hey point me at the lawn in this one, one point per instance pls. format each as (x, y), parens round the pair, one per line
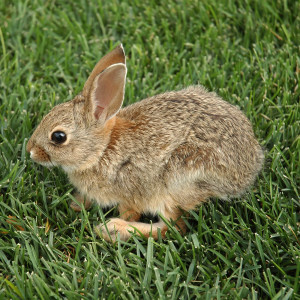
(246, 51)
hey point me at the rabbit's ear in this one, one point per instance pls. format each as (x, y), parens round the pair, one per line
(107, 92)
(116, 56)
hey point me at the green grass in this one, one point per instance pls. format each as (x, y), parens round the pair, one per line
(247, 51)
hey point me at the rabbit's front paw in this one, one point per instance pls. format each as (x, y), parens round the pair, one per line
(113, 228)
(76, 206)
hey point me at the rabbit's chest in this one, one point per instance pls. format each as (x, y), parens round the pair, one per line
(94, 186)
(127, 184)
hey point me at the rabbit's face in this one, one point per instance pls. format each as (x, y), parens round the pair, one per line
(63, 140)
(51, 143)
(73, 135)
(66, 138)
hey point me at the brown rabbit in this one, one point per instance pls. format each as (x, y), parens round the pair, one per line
(163, 155)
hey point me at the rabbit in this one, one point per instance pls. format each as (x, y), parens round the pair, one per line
(163, 155)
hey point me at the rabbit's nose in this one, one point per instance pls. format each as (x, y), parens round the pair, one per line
(29, 145)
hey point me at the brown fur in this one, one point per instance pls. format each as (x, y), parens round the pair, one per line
(163, 155)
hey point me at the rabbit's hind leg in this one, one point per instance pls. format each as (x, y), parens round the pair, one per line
(124, 229)
(128, 214)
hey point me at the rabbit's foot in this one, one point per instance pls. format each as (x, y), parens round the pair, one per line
(86, 203)
(122, 228)
(118, 227)
(110, 231)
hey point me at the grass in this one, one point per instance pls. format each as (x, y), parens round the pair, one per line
(246, 51)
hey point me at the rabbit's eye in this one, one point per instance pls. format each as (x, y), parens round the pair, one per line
(58, 137)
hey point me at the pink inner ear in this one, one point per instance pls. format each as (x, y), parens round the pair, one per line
(105, 91)
(98, 111)
(108, 91)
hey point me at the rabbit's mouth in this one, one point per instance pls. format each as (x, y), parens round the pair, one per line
(40, 156)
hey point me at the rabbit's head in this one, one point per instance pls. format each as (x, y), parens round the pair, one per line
(73, 134)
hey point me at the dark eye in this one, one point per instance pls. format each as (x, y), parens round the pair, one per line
(58, 137)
